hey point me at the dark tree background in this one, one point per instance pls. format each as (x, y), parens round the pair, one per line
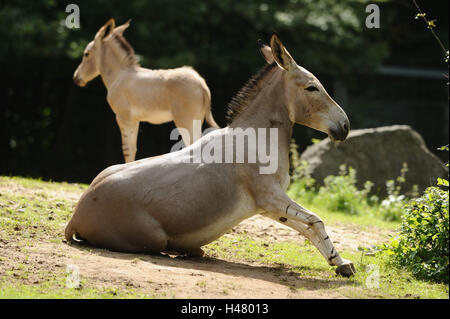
(52, 129)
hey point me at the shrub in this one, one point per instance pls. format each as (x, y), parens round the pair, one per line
(302, 184)
(340, 193)
(392, 207)
(422, 245)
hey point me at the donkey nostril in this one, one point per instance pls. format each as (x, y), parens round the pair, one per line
(345, 126)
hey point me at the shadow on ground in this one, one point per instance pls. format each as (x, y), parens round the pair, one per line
(278, 274)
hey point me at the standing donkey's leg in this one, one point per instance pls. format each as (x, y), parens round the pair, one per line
(188, 115)
(190, 129)
(129, 131)
(283, 209)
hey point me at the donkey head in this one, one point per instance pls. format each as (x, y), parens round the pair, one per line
(89, 67)
(307, 100)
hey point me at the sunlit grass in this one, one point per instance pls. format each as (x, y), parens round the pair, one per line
(56, 289)
(365, 219)
(306, 262)
(40, 184)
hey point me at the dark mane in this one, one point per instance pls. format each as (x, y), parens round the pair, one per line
(123, 43)
(125, 46)
(243, 98)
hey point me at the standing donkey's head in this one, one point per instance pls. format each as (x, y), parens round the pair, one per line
(307, 100)
(89, 67)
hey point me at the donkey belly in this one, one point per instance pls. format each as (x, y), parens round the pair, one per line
(244, 209)
(158, 116)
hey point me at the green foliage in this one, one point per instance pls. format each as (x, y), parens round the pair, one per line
(302, 184)
(392, 207)
(431, 25)
(340, 193)
(422, 245)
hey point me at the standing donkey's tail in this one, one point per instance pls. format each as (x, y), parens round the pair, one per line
(210, 120)
(207, 101)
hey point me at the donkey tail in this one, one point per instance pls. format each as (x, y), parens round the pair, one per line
(210, 120)
(208, 116)
(70, 232)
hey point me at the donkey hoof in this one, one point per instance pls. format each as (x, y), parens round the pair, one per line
(346, 269)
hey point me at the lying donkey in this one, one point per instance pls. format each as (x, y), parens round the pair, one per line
(136, 94)
(175, 203)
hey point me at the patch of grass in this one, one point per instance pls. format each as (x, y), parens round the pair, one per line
(292, 255)
(201, 283)
(306, 262)
(39, 184)
(365, 221)
(32, 216)
(27, 211)
(50, 290)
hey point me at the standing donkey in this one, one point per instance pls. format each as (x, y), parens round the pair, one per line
(153, 205)
(137, 94)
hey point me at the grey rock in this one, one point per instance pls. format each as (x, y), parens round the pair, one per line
(377, 154)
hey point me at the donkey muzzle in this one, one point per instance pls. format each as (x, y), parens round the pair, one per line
(78, 81)
(340, 131)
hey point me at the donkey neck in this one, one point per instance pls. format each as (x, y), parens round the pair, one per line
(267, 105)
(269, 110)
(110, 65)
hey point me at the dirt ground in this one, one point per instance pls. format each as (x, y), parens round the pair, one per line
(184, 277)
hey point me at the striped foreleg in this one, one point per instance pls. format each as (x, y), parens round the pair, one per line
(314, 230)
(308, 224)
(129, 132)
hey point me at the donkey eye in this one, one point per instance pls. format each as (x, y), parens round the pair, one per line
(312, 88)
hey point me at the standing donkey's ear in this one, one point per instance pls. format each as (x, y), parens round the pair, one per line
(280, 54)
(121, 28)
(266, 51)
(101, 34)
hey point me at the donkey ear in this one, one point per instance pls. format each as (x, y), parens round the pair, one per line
(280, 54)
(266, 51)
(101, 34)
(121, 28)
